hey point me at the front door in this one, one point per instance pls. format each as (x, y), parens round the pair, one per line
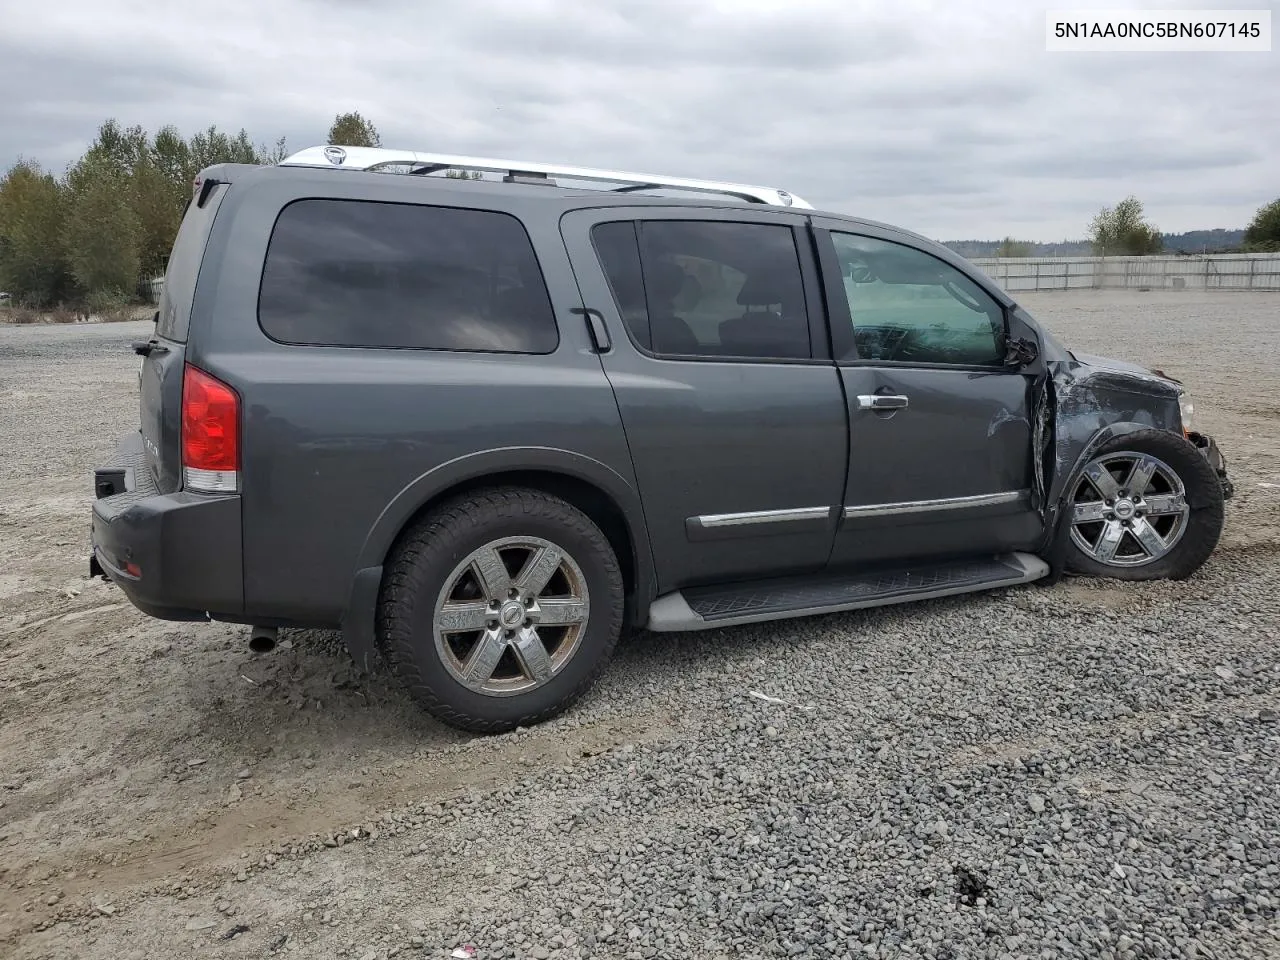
(732, 406)
(939, 426)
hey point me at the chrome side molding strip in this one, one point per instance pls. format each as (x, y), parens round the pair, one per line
(928, 506)
(711, 521)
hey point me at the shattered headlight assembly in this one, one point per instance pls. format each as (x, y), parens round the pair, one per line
(1187, 410)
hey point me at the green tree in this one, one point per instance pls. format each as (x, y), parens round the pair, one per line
(462, 174)
(1010, 247)
(102, 231)
(353, 130)
(113, 218)
(214, 146)
(1263, 232)
(1122, 231)
(33, 266)
(159, 208)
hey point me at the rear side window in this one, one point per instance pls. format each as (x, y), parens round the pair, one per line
(184, 266)
(691, 288)
(354, 273)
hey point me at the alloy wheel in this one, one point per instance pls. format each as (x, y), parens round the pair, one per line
(511, 616)
(1129, 509)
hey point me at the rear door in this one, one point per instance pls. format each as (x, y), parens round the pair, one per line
(939, 426)
(732, 407)
(160, 379)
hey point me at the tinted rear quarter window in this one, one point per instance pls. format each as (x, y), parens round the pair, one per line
(364, 274)
(184, 266)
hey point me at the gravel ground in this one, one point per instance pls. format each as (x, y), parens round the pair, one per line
(1086, 770)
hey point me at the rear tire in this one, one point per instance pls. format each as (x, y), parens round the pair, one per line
(490, 644)
(1148, 507)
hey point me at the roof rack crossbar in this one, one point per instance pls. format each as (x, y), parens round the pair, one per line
(423, 164)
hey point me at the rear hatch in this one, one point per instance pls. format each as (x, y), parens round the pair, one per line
(160, 380)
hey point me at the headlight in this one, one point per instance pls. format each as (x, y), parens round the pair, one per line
(1187, 409)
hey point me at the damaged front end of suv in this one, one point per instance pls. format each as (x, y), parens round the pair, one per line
(1106, 431)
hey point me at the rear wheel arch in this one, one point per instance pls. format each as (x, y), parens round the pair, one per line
(595, 489)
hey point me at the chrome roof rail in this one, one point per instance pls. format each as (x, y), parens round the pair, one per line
(415, 162)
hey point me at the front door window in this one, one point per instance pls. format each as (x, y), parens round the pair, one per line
(910, 307)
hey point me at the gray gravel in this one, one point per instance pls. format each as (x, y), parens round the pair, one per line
(962, 779)
(1086, 770)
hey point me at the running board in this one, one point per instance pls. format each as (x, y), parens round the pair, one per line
(702, 608)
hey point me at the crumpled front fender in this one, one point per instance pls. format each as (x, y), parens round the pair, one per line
(1084, 406)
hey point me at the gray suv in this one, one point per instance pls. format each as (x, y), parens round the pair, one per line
(484, 426)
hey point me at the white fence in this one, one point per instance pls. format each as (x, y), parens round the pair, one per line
(1229, 271)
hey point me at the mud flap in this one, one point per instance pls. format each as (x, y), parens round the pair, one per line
(1055, 551)
(359, 620)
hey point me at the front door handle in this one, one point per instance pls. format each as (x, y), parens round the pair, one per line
(881, 401)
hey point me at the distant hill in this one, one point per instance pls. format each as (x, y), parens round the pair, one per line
(1193, 241)
(1204, 241)
(987, 248)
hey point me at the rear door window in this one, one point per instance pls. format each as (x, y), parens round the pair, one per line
(363, 274)
(693, 288)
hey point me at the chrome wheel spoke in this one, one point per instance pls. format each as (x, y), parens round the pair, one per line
(1146, 535)
(538, 570)
(508, 656)
(559, 613)
(461, 617)
(1109, 542)
(1140, 475)
(492, 574)
(483, 659)
(1138, 520)
(1102, 481)
(1089, 512)
(1164, 504)
(529, 649)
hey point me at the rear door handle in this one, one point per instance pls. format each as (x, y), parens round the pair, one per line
(596, 328)
(881, 401)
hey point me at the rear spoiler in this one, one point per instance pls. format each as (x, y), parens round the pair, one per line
(211, 176)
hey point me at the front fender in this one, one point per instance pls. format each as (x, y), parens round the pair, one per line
(1089, 406)
(1090, 448)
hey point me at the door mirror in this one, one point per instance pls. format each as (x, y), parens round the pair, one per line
(1018, 352)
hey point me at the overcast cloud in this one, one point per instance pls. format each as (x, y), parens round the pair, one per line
(948, 118)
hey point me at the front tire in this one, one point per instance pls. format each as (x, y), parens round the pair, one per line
(1148, 506)
(500, 609)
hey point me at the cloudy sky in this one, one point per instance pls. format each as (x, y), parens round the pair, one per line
(949, 118)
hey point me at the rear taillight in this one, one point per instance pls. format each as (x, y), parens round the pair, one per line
(210, 433)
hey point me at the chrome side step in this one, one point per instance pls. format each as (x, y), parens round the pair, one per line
(702, 608)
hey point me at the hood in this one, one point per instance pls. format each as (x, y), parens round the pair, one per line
(1120, 366)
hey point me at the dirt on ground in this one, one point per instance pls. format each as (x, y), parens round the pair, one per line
(145, 765)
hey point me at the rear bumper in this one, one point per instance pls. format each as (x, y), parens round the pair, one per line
(176, 556)
(1208, 448)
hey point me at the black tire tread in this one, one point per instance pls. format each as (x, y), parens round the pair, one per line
(1204, 525)
(402, 584)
